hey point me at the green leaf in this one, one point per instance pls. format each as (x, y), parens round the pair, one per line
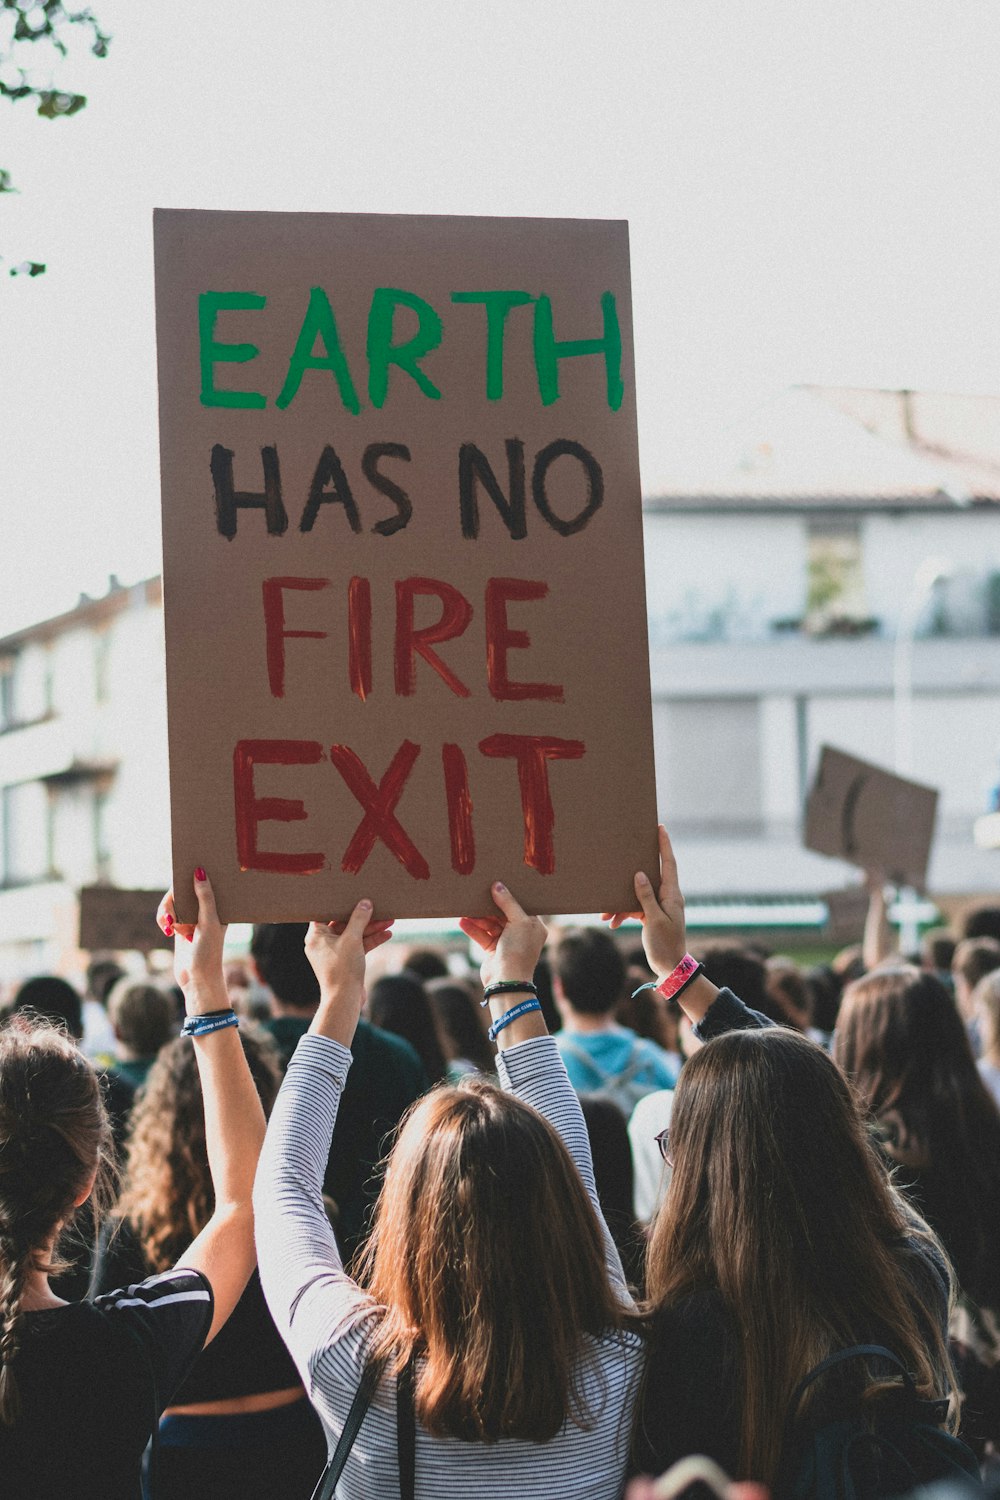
(53, 105)
(28, 268)
(6, 182)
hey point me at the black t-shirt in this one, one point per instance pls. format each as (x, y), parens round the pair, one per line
(386, 1077)
(690, 1399)
(247, 1356)
(93, 1378)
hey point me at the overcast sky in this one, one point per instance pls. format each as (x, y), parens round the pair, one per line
(812, 190)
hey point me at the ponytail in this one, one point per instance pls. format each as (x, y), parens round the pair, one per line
(54, 1138)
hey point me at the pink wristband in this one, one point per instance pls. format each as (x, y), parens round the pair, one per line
(687, 970)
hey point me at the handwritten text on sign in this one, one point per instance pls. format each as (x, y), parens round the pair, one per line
(349, 413)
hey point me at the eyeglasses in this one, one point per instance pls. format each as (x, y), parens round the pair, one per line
(663, 1142)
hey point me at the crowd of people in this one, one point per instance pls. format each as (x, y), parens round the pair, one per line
(545, 1229)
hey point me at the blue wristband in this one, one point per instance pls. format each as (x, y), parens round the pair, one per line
(203, 1025)
(511, 1015)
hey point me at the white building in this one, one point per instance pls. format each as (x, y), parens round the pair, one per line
(778, 571)
(83, 769)
(778, 575)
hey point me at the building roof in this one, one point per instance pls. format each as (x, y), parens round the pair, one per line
(88, 612)
(821, 448)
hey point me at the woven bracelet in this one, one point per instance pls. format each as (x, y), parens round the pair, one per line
(204, 1025)
(511, 1015)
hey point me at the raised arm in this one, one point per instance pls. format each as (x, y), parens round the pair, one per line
(320, 1312)
(664, 938)
(234, 1119)
(529, 1064)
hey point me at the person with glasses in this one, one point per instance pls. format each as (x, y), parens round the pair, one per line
(781, 1238)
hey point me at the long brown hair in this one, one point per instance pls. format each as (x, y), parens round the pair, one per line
(167, 1197)
(778, 1202)
(54, 1138)
(902, 1042)
(488, 1257)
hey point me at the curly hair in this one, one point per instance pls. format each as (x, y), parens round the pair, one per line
(167, 1196)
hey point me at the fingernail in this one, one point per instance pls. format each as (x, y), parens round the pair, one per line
(199, 874)
(499, 886)
(168, 926)
(365, 905)
(188, 938)
(642, 879)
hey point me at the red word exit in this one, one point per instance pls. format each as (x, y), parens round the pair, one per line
(380, 799)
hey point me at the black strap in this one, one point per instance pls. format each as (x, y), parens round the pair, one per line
(406, 1431)
(330, 1477)
(857, 1351)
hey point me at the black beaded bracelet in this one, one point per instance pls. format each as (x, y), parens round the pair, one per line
(508, 987)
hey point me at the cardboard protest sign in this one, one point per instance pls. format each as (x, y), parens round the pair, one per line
(871, 818)
(115, 920)
(403, 575)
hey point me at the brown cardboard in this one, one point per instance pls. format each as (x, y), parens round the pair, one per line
(115, 920)
(231, 682)
(871, 818)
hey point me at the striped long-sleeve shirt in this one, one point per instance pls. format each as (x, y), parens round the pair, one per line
(328, 1321)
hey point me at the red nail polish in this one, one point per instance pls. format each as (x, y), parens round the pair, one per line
(199, 874)
(168, 926)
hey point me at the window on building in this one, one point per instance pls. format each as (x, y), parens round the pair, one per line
(27, 833)
(8, 712)
(835, 589)
(708, 776)
(102, 850)
(102, 659)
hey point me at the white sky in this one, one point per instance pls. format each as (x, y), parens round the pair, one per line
(813, 191)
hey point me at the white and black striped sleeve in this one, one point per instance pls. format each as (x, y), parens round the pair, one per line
(169, 1315)
(536, 1073)
(320, 1312)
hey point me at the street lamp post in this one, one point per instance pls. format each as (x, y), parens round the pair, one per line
(928, 575)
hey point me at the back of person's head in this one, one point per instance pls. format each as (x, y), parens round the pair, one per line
(614, 1175)
(974, 958)
(459, 1026)
(427, 963)
(278, 950)
(986, 1005)
(902, 1042)
(590, 969)
(487, 1255)
(734, 966)
(142, 1015)
(825, 991)
(167, 1196)
(398, 1003)
(778, 1202)
(849, 964)
(937, 949)
(54, 1000)
(788, 992)
(102, 975)
(55, 1147)
(982, 921)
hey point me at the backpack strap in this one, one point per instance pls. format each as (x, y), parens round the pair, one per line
(579, 1055)
(633, 1066)
(406, 1431)
(857, 1351)
(362, 1400)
